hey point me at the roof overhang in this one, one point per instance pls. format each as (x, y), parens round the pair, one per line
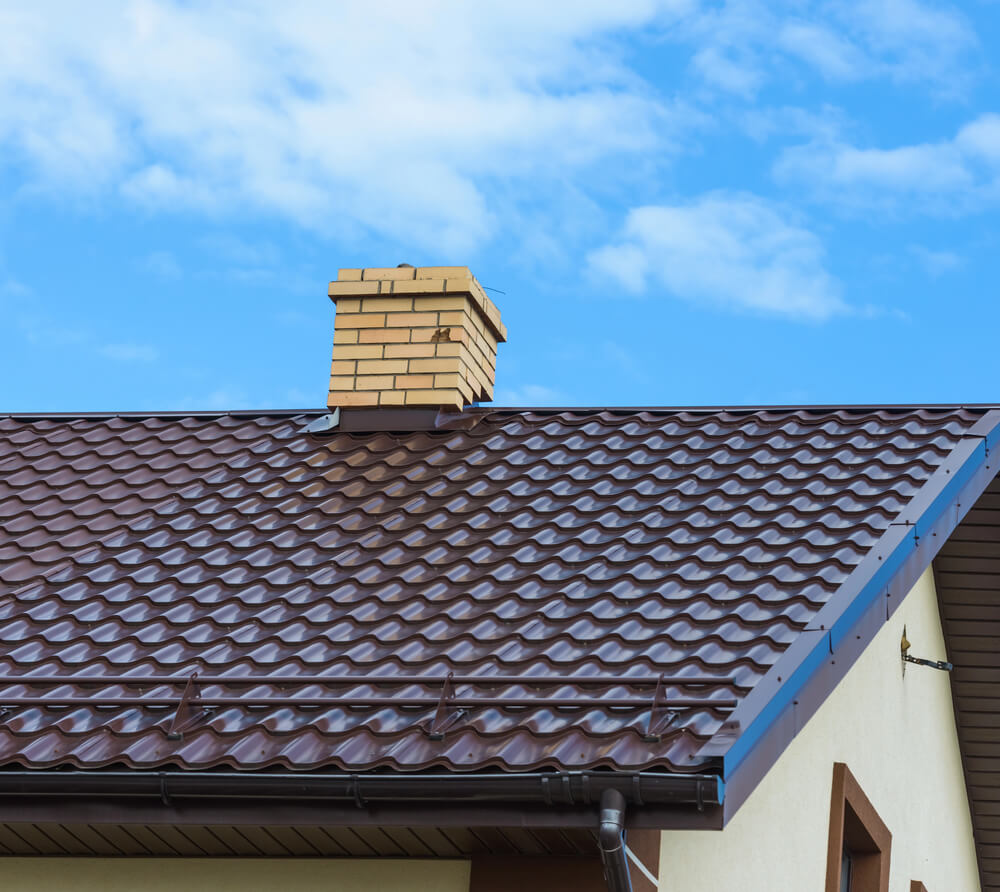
(794, 688)
(967, 579)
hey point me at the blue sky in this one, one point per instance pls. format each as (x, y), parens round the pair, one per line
(677, 203)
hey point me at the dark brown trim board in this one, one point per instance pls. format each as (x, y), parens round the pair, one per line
(644, 847)
(856, 826)
(917, 886)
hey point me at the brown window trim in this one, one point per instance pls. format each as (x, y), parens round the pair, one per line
(855, 823)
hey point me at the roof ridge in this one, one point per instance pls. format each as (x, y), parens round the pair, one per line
(724, 407)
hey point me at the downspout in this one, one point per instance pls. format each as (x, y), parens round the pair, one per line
(611, 839)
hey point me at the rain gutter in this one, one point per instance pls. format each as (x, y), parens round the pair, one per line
(563, 788)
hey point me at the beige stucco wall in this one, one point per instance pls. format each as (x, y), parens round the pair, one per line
(897, 735)
(232, 875)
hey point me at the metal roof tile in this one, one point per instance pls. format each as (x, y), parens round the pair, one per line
(573, 542)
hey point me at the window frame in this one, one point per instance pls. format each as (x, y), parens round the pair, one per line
(856, 827)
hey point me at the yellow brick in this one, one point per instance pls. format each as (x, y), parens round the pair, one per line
(351, 351)
(401, 351)
(374, 382)
(345, 336)
(434, 398)
(348, 305)
(342, 367)
(388, 272)
(381, 366)
(473, 354)
(482, 325)
(476, 372)
(442, 272)
(483, 344)
(349, 275)
(384, 336)
(503, 334)
(460, 282)
(352, 289)
(342, 382)
(420, 286)
(493, 315)
(414, 381)
(447, 348)
(359, 320)
(482, 383)
(433, 365)
(410, 320)
(453, 317)
(452, 381)
(395, 304)
(391, 398)
(352, 400)
(470, 393)
(476, 367)
(439, 303)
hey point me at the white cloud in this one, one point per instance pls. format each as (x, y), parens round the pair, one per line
(399, 118)
(919, 168)
(37, 328)
(913, 41)
(980, 139)
(157, 187)
(129, 352)
(13, 287)
(736, 251)
(936, 263)
(721, 69)
(161, 264)
(818, 45)
(945, 176)
(240, 252)
(743, 43)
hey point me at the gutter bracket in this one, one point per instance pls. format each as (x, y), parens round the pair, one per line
(185, 709)
(441, 720)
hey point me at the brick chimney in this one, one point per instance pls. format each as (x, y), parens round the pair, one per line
(424, 337)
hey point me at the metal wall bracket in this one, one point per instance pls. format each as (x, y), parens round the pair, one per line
(904, 648)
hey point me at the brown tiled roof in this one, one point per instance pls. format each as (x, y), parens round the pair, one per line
(584, 552)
